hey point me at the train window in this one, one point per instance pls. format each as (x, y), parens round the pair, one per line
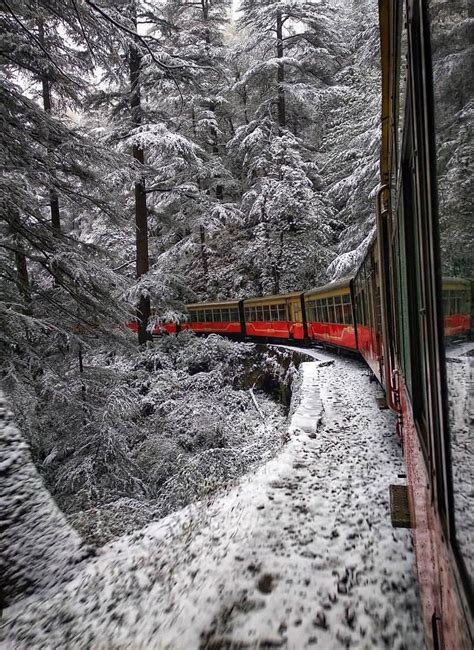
(451, 42)
(360, 307)
(324, 311)
(454, 303)
(331, 315)
(330, 309)
(282, 312)
(319, 311)
(297, 312)
(346, 306)
(192, 316)
(273, 313)
(266, 313)
(200, 316)
(233, 314)
(403, 338)
(338, 313)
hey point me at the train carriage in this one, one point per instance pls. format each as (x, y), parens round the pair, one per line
(366, 290)
(329, 314)
(216, 317)
(278, 317)
(457, 307)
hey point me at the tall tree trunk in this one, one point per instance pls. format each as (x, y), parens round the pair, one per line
(202, 230)
(141, 213)
(212, 105)
(280, 72)
(23, 279)
(205, 265)
(47, 105)
(215, 151)
(22, 274)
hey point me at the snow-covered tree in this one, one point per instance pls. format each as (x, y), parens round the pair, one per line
(290, 52)
(451, 31)
(351, 137)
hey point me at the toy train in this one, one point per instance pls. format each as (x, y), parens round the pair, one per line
(410, 324)
(344, 314)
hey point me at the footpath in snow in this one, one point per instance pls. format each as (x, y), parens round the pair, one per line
(300, 555)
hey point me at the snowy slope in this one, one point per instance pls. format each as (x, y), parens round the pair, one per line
(300, 555)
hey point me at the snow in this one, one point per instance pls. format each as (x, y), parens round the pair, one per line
(300, 554)
(459, 373)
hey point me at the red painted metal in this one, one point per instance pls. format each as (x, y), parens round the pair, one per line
(336, 334)
(371, 349)
(435, 575)
(215, 328)
(275, 329)
(157, 330)
(457, 324)
(170, 328)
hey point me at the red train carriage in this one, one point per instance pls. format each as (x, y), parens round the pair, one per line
(158, 328)
(366, 290)
(457, 307)
(216, 317)
(278, 317)
(329, 314)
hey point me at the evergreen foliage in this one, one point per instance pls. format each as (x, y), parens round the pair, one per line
(153, 154)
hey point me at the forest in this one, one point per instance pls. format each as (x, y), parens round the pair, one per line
(154, 154)
(157, 153)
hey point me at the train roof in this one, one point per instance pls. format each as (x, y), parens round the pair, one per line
(279, 297)
(343, 283)
(213, 305)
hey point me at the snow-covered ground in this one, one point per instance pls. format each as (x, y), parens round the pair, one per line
(301, 554)
(460, 375)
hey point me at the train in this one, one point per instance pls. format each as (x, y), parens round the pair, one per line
(407, 310)
(342, 315)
